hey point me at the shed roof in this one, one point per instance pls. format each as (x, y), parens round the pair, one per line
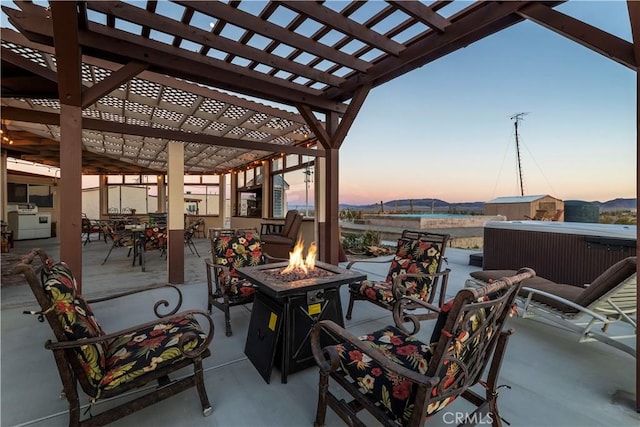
(519, 199)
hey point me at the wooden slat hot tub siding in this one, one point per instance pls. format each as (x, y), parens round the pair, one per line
(563, 258)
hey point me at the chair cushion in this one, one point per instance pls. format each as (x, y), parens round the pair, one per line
(374, 290)
(412, 257)
(568, 292)
(155, 238)
(415, 256)
(392, 392)
(612, 277)
(235, 251)
(154, 347)
(77, 320)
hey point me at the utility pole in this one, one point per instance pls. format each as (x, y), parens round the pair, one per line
(307, 179)
(516, 119)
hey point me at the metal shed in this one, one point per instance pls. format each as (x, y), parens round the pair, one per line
(541, 206)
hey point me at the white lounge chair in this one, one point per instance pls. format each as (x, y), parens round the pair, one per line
(610, 298)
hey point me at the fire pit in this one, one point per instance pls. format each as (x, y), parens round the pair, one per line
(294, 275)
(272, 279)
(282, 279)
(291, 298)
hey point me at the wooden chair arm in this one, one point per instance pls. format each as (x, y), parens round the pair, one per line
(109, 337)
(328, 359)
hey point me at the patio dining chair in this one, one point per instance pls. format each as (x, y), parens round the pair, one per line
(229, 251)
(188, 238)
(91, 226)
(415, 269)
(118, 364)
(119, 239)
(610, 298)
(402, 381)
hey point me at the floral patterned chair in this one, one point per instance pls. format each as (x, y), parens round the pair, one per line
(229, 251)
(108, 365)
(155, 238)
(119, 239)
(402, 381)
(415, 269)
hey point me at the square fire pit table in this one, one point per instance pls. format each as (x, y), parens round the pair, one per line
(286, 307)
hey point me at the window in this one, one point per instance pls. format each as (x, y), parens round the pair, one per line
(294, 189)
(249, 196)
(39, 195)
(16, 193)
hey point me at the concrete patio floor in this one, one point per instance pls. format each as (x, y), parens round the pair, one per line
(554, 380)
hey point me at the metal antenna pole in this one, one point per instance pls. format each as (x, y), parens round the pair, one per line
(516, 118)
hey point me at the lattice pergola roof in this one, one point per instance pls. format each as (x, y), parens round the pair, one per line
(319, 57)
(150, 101)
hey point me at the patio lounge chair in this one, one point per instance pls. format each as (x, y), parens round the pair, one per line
(279, 239)
(415, 268)
(109, 365)
(610, 298)
(402, 381)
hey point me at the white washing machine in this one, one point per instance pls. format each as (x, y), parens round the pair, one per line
(27, 223)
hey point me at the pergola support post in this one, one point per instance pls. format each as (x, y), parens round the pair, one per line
(71, 185)
(175, 218)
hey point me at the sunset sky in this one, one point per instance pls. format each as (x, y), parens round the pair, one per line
(444, 131)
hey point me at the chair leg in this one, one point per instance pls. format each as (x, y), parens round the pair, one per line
(202, 391)
(321, 411)
(209, 288)
(492, 377)
(227, 319)
(108, 253)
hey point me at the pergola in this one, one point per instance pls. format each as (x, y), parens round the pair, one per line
(146, 84)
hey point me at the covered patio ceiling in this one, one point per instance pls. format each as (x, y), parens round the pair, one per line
(127, 130)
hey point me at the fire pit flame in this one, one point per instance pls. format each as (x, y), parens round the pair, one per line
(299, 264)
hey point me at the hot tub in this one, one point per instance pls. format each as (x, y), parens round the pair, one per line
(565, 252)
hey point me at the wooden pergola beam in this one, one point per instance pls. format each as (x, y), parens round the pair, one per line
(119, 46)
(224, 12)
(32, 116)
(26, 64)
(432, 46)
(347, 26)
(582, 33)
(206, 38)
(423, 13)
(107, 85)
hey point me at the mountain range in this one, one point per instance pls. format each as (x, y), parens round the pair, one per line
(440, 206)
